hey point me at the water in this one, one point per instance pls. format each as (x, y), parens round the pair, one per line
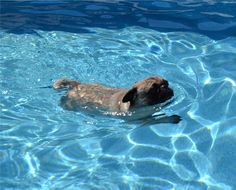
(45, 147)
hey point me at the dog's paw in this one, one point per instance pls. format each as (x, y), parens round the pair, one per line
(175, 119)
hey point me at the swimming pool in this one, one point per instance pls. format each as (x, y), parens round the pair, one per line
(117, 43)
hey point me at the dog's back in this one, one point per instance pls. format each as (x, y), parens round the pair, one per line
(89, 95)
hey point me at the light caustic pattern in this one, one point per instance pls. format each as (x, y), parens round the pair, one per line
(45, 147)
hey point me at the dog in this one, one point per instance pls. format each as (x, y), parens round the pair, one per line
(145, 93)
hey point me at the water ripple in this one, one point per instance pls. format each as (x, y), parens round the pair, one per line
(46, 147)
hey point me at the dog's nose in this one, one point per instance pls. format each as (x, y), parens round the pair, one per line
(171, 92)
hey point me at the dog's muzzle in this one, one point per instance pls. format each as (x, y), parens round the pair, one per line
(165, 94)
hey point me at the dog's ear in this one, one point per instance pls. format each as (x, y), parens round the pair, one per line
(130, 95)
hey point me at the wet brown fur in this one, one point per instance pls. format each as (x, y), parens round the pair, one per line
(150, 91)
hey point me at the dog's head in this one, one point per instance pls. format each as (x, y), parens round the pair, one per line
(150, 91)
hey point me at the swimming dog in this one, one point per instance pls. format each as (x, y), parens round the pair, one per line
(147, 92)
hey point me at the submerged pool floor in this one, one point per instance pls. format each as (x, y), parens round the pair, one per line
(45, 147)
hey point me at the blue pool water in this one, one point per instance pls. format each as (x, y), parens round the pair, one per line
(190, 43)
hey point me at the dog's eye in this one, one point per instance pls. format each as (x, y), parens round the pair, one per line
(163, 86)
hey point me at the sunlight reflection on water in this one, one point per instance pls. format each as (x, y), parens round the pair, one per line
(50, 147)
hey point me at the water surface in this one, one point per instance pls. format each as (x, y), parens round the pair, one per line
(45, 147)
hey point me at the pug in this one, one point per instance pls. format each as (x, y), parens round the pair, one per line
(145, 93)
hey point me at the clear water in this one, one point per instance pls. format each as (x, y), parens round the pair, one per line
(45, 147)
